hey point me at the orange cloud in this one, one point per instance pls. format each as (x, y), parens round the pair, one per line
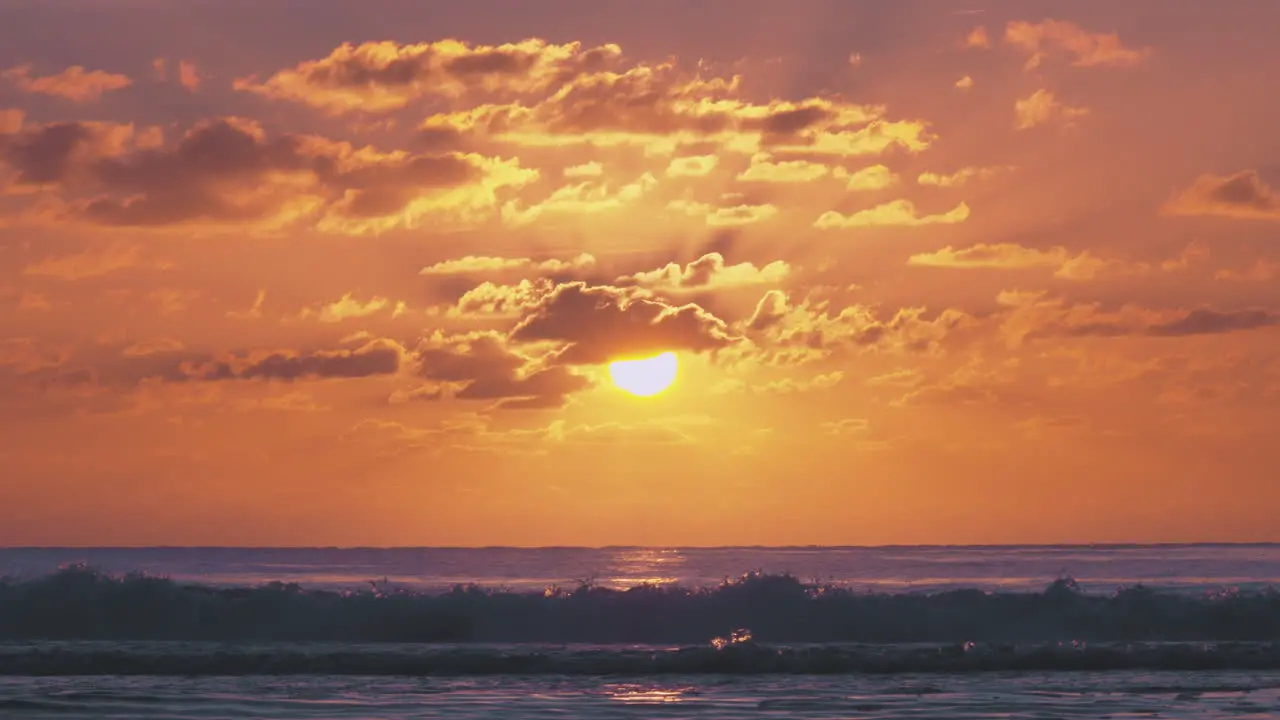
(872, 177)
(964, 83)
(961, 176)
(977, 38)
(384, 76)
(590, 169)
(482, 367)
(89, 263)
(692, 166)
(793, 333)
(108, 178)
(474, 265)
(489, 301)
(602, 323)
(764, 169)
(1042, 107)
(1086, 49)
(894, 212)
(74, 83)
(11, 120)
(717, 216)
(1032, 315)
(1260, 271)
(1242, 195)
(188, 76)
(579, 199)
(708, 273)
(1010, 256)
(344, 308)
(662, 108)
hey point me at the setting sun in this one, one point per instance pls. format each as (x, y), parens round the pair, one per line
(646, 376)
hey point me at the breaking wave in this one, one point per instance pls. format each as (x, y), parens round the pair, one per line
(79, 603)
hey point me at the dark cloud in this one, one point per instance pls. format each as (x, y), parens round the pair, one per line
(604, 323)
(492, 371)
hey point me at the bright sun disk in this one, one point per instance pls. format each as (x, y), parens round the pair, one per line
(646, 376)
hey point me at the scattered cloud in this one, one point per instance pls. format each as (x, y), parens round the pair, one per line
(708, 273)
(1086, 49)
(894, 212)
(1242, 195)
(75, 83)
(1041, 107)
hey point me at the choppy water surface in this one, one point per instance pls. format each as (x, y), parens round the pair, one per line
(1053, 695)
(1048, 632)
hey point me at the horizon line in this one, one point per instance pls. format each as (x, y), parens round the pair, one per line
(891, 546)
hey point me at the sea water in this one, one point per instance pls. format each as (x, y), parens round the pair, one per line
(957, 632)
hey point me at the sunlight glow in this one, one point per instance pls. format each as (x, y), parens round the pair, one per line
(644, 377)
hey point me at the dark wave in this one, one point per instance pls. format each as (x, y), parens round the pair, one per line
(78, 603)
(743, 658)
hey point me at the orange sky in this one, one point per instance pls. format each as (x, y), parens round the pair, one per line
(336, 273)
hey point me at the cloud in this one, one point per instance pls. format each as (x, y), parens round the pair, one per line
(1242, 195)
(590, 169)
(663, 108)
(894, 212)
(792, 333)
(1042, 107)
(977, 38)
(74, 84)
(385, 76)
(692, 166)
(345, 308)
(481, 366)
(764, 169)
(11, 120)
(154, 346)
(1032, 315)
(964, 83)
(188, 75)
(1011, 256)
(718, 216)
(92, 262)
(788, 386)
(483, 265)
(708, 273)
(49, 155)
(872, 177)
(378, 357)
(598, 324)
(960, 177)
(1261, 270)
(583, 198)
(1085, 48)
(846, 426)
(227, 171)
(490, 301)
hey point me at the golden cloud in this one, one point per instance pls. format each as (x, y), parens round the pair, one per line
(479, 265)
(894, 212)
(872, 177)
(1242, 195)
(662, 108)
(1042, 107)
(1085, 48)
(597, 324)
(384, 76)
(229, 172)
(960, 177)
(718, 216)
(964, 83)
(707, 273)
(74, 84)
(692, 166)
(764, 169)
(583, 198)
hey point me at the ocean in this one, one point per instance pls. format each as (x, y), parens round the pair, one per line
(894, 632)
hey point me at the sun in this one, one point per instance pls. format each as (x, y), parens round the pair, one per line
(646, 376)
